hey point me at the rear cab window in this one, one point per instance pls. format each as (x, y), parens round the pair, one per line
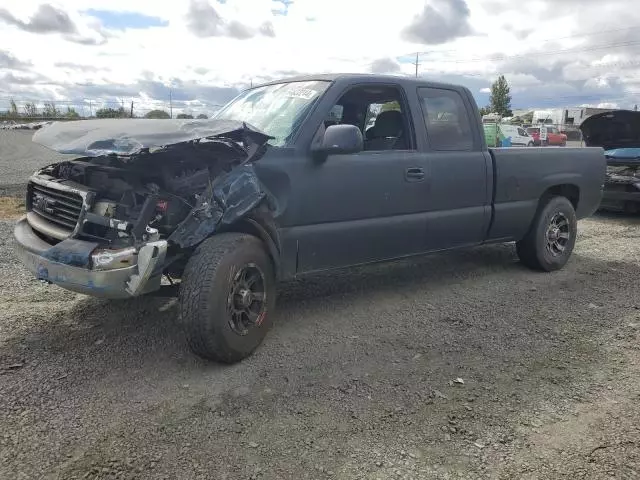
(446, 119)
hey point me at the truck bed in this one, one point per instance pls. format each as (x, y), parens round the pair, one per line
(518, 184)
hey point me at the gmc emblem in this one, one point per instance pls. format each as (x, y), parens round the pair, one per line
(43, 204)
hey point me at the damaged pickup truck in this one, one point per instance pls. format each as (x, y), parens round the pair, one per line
(291, 177)
(618, 133)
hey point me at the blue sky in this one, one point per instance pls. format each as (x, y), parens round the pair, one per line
(123, 20)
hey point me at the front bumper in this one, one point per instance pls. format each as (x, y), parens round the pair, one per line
(83, 267)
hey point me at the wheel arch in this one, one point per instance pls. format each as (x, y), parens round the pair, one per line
(260, 224)
(568, 190)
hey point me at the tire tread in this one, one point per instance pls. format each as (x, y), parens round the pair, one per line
(198, 283)
(528, 249)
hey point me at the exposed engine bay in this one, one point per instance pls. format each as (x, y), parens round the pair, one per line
(623, 174)
(176, 192)
(151, 191)
(618, 133)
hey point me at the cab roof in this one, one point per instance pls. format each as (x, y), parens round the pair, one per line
(347, 78)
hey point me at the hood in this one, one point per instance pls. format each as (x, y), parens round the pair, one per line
(618, 129)
(129, 136)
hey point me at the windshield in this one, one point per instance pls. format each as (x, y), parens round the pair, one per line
(275, 109)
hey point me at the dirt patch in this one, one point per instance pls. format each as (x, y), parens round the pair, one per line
(11, 208)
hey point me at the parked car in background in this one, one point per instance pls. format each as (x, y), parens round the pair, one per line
(534, 133)
(552, 136)
(618, 132)
(519, 136)
(544, 135)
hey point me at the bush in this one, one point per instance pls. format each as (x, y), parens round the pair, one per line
(157, 114)
(110, 113)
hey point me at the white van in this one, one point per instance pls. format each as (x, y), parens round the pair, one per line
(518, 135)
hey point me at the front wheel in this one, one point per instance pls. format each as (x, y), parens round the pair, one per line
(551, 238)
(227, 297)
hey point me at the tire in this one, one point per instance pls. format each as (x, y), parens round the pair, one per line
(537, 250)
(530, 144)
(207, 299)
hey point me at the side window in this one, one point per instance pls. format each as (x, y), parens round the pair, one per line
(380, 112)
(446, 119)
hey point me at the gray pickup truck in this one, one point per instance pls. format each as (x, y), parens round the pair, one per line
(291, 177)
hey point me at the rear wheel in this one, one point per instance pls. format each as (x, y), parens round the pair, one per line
(227, 297)
(550, 241)
(530, 144)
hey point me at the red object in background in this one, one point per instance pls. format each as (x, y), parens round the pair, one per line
(554, 137)
(534, 133)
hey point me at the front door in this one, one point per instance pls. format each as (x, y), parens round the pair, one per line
(363, 207)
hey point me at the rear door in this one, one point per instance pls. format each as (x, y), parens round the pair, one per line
(460, 192)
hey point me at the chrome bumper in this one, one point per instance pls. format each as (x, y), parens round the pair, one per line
(83, 267)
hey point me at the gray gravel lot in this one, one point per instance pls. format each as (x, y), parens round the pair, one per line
(19, 158)
(356, 381)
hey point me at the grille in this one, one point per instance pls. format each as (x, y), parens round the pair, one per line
(59, 207)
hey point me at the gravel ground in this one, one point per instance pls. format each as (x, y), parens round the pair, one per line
(19, 158)
(457, 365)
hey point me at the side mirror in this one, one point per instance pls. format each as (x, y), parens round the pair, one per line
(339, 139)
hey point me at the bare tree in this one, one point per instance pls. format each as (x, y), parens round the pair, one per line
(30, 109)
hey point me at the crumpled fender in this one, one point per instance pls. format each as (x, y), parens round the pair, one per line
(230, 197)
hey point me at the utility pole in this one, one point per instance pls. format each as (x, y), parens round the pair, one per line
(131, 108)
(90, 109)
(170, 105)
(417, 63)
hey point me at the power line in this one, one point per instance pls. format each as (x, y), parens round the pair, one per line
(549, 40)
(501, 57)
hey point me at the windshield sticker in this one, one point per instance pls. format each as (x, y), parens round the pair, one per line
(304, 93)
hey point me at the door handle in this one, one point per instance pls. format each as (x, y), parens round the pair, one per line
(414, 174)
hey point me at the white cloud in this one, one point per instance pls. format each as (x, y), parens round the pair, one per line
(500, 37)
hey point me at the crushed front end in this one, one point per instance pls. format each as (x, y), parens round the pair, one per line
(618, 133)
(622, 186)
(114, 222)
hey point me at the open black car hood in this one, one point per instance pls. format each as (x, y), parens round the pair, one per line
(129, 136)
(612, 130)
